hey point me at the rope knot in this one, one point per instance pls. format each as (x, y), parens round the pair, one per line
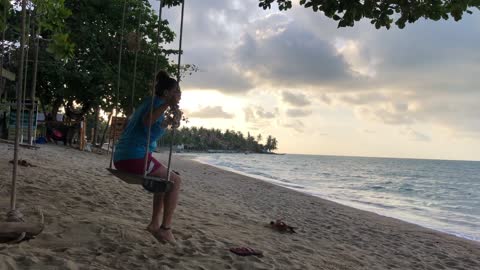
(14, 216)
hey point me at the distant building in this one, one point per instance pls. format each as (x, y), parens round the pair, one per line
(41, 117)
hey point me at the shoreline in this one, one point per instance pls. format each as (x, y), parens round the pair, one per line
(299, 189)
(163, 149)
(341, 202)
(95, 221)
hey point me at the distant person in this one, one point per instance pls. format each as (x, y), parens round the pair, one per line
(48, 117)
(130, 151)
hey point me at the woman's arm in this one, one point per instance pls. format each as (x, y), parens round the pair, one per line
(147, 121)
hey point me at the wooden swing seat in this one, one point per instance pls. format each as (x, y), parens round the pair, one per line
(28, 146)
(31, 229)
(12, 232)
(151, 184)
(15, 232)
(133, 179)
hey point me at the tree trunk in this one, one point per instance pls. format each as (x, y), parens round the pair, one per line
(2, 80)
(95, 126)
(3, 90)
(55, 107)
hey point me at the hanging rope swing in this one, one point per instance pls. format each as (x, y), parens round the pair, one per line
(152, 184)
(15, 229)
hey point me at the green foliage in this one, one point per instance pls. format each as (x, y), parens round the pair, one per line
(271, 143)
(4, 8)
(61, 47)
(79, 50)
(201, 139)
(89, 77)
(93, 71)
(171, 3)
(382, 13)
(50, 16)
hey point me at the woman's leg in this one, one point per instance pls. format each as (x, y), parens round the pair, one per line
(156, 221)
(169, 202)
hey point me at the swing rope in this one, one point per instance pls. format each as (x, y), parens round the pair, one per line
(137, 49)
(145, 161)
(129, 177)
(13, 197)
(118, 79)
(178, 80)
(145, 165)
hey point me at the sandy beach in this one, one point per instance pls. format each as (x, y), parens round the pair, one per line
(95, 221)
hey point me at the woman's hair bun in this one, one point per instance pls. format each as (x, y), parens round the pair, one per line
(164, 83)
(162, 75)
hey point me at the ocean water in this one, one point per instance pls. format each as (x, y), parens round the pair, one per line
(437, 194)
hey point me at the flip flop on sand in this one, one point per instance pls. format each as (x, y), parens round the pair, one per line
(246, 251)
(281, 226)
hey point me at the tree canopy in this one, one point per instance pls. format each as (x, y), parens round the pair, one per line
(382, 13)
(201, 139)
(79, 50)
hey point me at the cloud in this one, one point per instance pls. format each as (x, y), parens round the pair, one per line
(257, 113)
(298, 99)
(292, 57)
(363, 98)
(264, 114)
(216, 72)
(388, 113)
(325, 99)
(424, 74)
(211, 112)
(211, 28)
(298, 112)
(257, 117)
(415, 135)
(296, 125)
(457, 113)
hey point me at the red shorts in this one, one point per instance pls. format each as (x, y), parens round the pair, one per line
(135, 166)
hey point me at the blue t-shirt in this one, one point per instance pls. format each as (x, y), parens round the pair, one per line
(133, 141)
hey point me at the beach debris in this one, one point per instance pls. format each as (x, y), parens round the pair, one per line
(246, 251)
(281, 226)
(23, 163)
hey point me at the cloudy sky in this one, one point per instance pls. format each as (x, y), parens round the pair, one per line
(322, 90)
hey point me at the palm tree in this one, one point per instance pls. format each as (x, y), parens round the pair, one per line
(268, 145)
(274, 144)
(259, 138)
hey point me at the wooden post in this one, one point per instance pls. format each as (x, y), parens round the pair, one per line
(83, 127)
(84, 135)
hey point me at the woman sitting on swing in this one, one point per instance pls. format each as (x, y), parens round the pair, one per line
(130, 151)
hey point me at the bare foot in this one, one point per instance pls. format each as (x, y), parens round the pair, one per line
(153, 229)
(164, 236)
